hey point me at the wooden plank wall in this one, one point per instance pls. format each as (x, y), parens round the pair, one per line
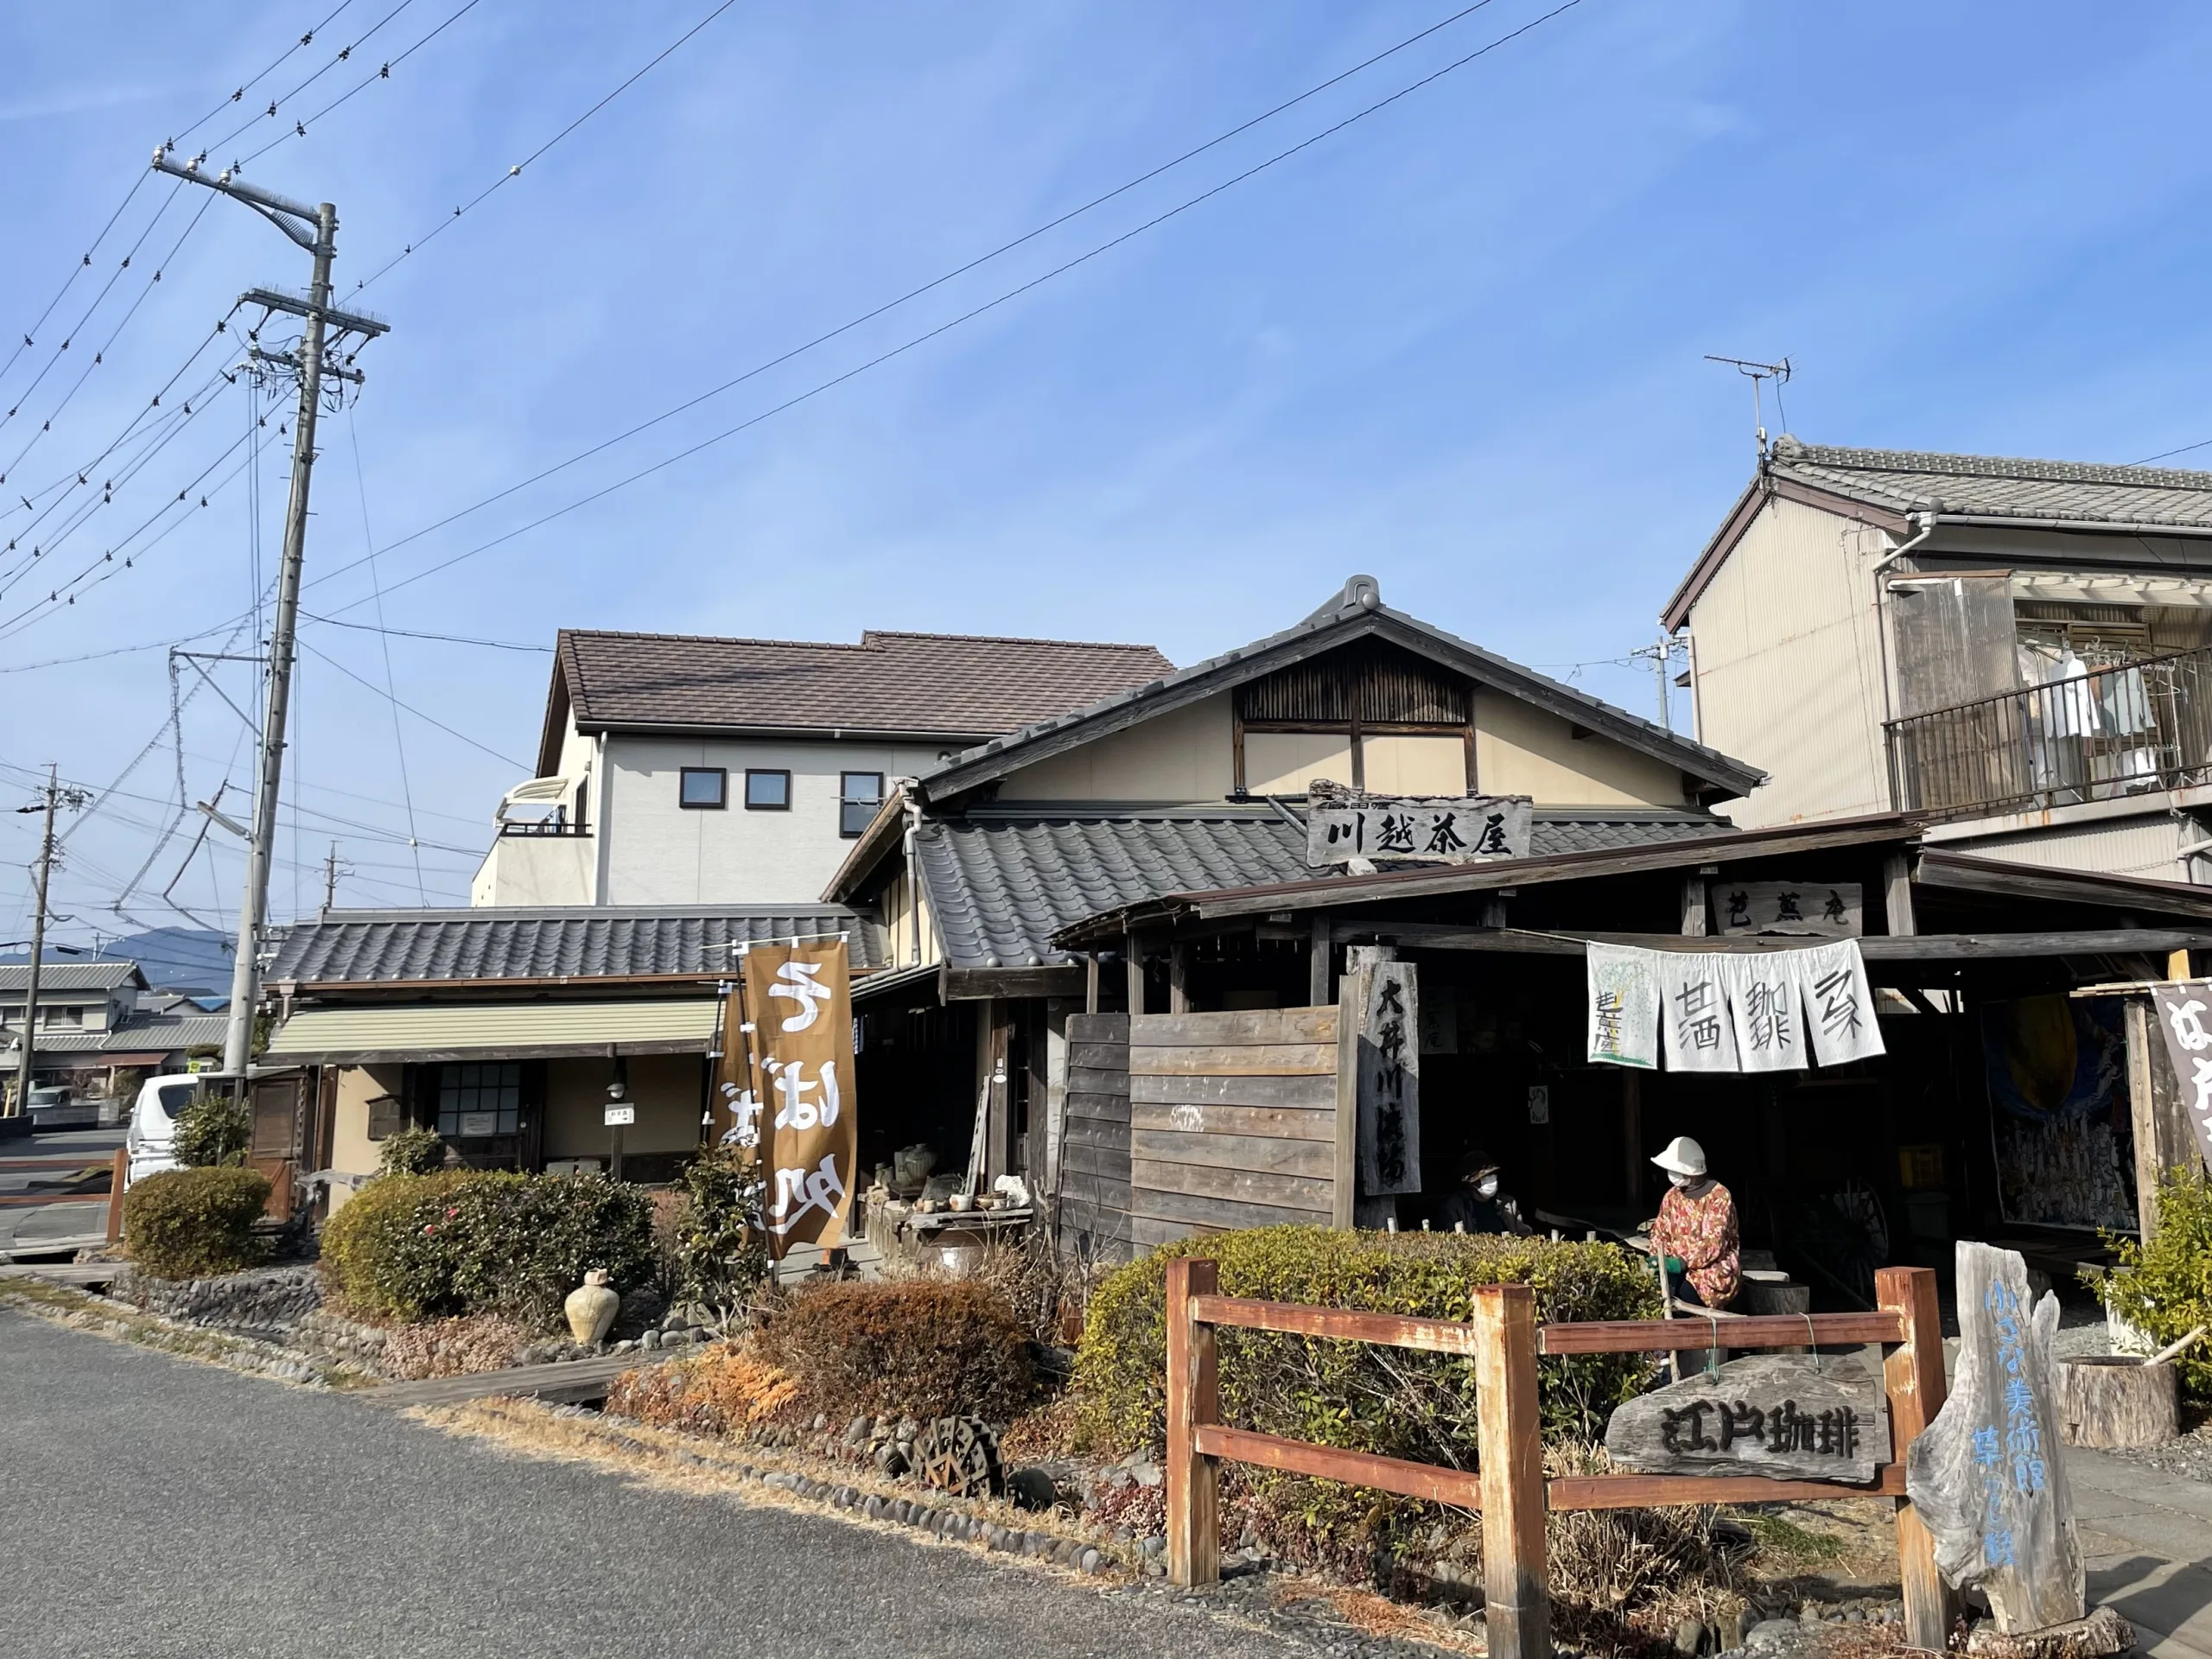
(1093, 1214)
(1233, 1122)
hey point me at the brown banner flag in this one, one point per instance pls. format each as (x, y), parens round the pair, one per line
(798, 1000)
(2184, 1012)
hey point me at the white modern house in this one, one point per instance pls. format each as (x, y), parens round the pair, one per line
(2019, 651)
(675, 770)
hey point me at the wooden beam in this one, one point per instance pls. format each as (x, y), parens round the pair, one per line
(1461, 1489)
(1897, 894)
(1091, 983)
(1696, 907)
(2142, 1110)
(1320, 977)
(1341, 1324)
(1133, 972)
(1964, 872)
(1516, 1605)
(1923, 947)
(1352, 1012)
(1649, 1491)
(982, 984)
(1178, 977)
(1679, 1336)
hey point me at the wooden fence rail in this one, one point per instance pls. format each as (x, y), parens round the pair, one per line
(1509, 1488)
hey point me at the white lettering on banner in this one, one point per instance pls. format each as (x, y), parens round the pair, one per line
(792, 1086)
(2181, 1010)
(799, 981)
(746, 1130)
(809, 1190)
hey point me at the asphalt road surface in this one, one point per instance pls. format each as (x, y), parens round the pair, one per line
(153, 1506)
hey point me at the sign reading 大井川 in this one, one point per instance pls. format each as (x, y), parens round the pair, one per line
(788, 1079)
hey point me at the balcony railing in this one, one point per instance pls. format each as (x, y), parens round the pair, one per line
(556, 825)
(2126, 730)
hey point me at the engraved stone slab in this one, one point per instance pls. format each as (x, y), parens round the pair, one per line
(1785, 1417)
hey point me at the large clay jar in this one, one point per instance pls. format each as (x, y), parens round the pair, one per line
(591, 1307)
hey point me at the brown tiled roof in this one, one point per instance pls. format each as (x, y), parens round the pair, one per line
(937, 684)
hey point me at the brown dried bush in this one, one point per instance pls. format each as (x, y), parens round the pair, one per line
(1048, 1290)
(458, 1347)
(724, 1392)
(906, 1348)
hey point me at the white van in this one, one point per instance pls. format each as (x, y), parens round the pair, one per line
(151, 1140)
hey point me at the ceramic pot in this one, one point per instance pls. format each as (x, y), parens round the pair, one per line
(591, 1307)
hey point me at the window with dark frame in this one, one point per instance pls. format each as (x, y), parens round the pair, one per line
(702, 787)
(475, 1102)
(767, 791)
(860, 795)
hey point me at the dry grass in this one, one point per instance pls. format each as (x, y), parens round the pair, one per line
(1048, 1292)
(722, 1392)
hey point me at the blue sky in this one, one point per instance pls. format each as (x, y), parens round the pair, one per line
(1457, 344)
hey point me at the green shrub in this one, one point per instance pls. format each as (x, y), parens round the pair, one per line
(1396, 1402)
(194, 1224)
(905, 1347)
(721, 1254)
(414, 1246)
(2164, 1287)
(214, 1129)
(415, 1151)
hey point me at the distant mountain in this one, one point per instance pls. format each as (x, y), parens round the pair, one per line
(172, 958)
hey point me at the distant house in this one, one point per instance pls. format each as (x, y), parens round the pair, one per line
(96, 1018)
(675, 770)
(2018, 651)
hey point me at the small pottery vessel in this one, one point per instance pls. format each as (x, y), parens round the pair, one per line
(591, 1307)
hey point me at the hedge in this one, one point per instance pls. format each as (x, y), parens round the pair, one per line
(414, 1246)
(904, 1347)
(193, 1223)
(1394, 1402)
(2164, 1287)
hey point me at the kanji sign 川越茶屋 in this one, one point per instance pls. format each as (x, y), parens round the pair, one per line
(1460, 830)
(798, 1029)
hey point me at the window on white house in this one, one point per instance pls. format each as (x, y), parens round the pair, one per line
(858, 795)
(476, 1101)
(704, 787)
(767, 791)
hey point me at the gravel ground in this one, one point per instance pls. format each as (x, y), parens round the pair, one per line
(160, 1507)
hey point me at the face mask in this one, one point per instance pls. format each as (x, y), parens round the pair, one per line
(1676, 1178)
(1487, 1186)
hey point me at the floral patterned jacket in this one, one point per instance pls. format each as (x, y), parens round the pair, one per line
(1701, 1230)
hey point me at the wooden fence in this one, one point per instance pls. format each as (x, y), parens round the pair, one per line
(1092, 1217)
(1509, 1488)
(1233, 1122)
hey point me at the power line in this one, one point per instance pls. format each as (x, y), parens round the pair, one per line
(76, 270)
(276, 104)
(383, 641)
(897, 350)
(370, 685)
(410, 633)
(515, 172)
(237, 97)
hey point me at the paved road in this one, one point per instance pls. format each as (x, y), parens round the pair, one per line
(26, 1224)
(151, 1506)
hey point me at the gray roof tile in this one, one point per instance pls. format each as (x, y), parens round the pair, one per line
(583, 942)
(1996, 488)
(70, 976)
(1001, 884)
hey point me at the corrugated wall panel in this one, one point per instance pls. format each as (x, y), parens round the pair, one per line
(2145, 846)
(491, 1025)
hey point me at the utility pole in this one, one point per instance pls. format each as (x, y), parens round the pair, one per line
(314, 229)
(50, 798)
(1661, 655)
(331, 872)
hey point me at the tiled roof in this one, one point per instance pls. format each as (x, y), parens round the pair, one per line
(1992, 486)
(70, 976)
(141, 1034)
(933, 685)
(579, 942)
(1001, 884)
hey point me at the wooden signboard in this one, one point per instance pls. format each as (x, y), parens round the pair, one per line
(1423, 829)
(1390, 1080)
(1788, 1418)
(1987, 1476)
(1827, 909)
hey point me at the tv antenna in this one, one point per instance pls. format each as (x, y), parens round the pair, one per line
(1758, 373)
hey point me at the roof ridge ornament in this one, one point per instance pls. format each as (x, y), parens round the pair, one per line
(1358, 594)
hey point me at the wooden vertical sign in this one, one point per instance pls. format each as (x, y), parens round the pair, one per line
(1390, 1080)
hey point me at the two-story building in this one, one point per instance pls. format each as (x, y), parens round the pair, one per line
(675, 770)
(2019, 651)
(96, 1019)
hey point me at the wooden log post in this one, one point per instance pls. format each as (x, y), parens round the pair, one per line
(1516, 1608)
(1913, 1375)
(1193, 1398)
(2109, 1400)
(120, 1170)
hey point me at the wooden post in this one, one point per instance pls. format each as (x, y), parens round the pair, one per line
(1913, 1374)
(1193, 1397)
(1178, 977)
(1320, 984)
(1132, 966)
(122, 1168)
(2142, 1108)
(1516, 1609)
(2177, 965)
(1351, 1006)
(1091, 983)
(1695, 914)
(1897, 894)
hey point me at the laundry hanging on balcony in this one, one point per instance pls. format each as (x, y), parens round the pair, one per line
(1736, 1012)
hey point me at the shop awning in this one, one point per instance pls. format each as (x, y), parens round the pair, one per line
(482, 1031)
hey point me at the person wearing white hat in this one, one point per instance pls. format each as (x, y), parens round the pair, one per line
(1696, 1229)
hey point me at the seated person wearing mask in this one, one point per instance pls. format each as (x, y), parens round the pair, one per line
(1475, 1205)
(1696, 1229)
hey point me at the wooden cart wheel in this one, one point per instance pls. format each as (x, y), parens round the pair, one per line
(960, 1455)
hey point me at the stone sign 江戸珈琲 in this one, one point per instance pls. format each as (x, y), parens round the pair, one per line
(1777, 1416)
